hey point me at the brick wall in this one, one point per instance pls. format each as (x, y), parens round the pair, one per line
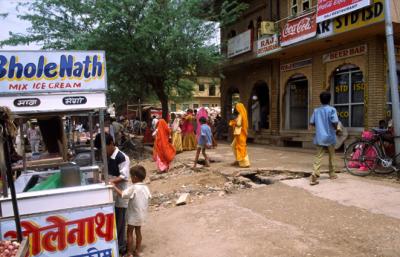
(376, 81)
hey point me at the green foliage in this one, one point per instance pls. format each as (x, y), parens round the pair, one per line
(150, 45)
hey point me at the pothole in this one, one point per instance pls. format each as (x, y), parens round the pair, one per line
(266, 177)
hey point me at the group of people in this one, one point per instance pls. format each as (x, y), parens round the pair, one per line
(193, 131)
(183, 133)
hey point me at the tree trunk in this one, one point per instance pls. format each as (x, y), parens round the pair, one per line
(163, 97)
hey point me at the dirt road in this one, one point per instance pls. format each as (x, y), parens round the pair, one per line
(276, 220)
(347, 217)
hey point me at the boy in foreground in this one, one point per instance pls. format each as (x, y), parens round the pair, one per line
(325, 121)
(138, 194)
(205, 141)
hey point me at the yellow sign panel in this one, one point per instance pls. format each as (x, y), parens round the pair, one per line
(360, 18)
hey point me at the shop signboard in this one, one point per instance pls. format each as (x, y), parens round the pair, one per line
(360, 18)
(54, 102)
(71, 233)
(345, 53)
(329, 9)
(240, 44)
(267, 45)
(296, 65)
(31, 72)
(325, 29)
(299, 29)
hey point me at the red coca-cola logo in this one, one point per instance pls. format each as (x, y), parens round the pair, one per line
(297, 28)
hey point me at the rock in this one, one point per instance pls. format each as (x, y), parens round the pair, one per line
(221, 194)
(183, 199)
(246, 173)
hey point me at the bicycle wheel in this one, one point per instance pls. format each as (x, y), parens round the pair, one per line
(360, 158)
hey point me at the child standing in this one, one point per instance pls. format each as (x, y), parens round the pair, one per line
(325, 120)
(204, 141)
(138, 194)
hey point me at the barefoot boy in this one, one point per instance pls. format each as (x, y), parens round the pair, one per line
(138, 194)
(205, 141)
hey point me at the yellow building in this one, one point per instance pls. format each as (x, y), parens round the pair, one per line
(206, 94)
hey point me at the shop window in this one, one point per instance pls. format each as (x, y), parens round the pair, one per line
(389, 98)
(306, 5)
(297, 103)
(173, 107)
(201, 87)
(348, 96)
(185, 106)
(294, 7)
(299, 6)
(211, 90)
(195, 106)
(206, 105)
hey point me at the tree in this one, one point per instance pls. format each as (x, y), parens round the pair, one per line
(151, 45)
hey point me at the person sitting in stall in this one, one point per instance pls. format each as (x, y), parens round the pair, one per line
(163, 151)
(34, 137)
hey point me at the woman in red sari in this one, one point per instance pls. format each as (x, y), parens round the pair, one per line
(163, 151)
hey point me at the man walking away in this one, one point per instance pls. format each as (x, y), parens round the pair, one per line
(325, 121)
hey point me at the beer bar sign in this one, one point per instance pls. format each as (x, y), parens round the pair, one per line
(299, 29)
(345, 53)
(31, 72)
(79, 233)
(329, 9)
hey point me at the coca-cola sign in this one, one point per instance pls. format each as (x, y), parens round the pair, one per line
(299, 29)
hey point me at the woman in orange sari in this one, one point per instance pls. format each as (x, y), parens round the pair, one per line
(239, 145)
(163, 151)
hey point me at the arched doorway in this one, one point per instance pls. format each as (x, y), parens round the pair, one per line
(348, 95)
(296, 102)
(233, 97)
(259, 104)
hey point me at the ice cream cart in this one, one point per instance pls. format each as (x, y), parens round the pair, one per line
(75, 217)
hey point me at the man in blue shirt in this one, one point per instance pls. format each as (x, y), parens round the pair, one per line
(325, 121)
(204, 142)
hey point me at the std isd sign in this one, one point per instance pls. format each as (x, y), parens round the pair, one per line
(31, 72)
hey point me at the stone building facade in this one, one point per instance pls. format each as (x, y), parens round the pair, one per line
(279, 77)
